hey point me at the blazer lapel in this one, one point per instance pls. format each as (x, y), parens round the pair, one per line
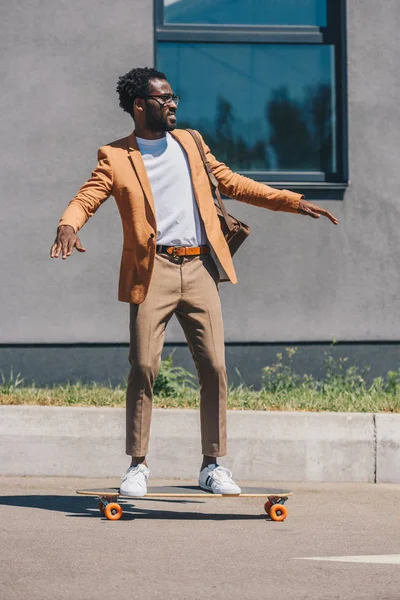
(193, 156)
(187, 145)
(140, 170)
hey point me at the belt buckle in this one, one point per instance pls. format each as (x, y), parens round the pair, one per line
(175, 258)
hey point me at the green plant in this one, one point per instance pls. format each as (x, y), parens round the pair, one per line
(172, 380)
(280, 378)
(392, 384)
(10, 384)
(339, 377)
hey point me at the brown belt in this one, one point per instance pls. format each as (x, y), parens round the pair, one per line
(183, 250)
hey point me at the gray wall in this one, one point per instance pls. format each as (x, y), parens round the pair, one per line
(61, 61)
(299, 279)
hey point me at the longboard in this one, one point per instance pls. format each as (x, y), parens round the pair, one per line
(112, 510)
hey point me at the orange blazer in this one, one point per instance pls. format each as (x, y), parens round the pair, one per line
(121, 172)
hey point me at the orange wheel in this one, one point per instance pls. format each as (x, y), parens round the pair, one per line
(101, 507)
(113, 511)
(267, 506)
(278, 512)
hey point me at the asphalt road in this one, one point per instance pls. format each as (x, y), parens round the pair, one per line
(55, 545)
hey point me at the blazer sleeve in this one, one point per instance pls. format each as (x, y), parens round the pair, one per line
(91, 195)
(249, 191)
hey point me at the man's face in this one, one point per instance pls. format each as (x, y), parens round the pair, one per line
(160, 115)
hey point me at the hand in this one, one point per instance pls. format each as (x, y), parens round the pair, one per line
(65, 242)
(315, 211)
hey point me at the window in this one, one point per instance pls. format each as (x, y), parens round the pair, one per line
(245, 12)
(262, 80)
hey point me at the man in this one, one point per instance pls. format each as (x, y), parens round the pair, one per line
(174, 255)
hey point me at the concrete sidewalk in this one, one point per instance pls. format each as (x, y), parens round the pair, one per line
(281, 446)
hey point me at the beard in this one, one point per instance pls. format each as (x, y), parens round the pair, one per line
(156, 122)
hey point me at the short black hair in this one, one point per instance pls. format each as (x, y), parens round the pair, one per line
(134, 84)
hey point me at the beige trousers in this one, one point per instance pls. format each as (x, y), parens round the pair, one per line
(188, 290)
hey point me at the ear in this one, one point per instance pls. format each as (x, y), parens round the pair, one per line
(138, 103)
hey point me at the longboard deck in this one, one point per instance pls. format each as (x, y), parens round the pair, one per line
(110, 508)
(180, 491)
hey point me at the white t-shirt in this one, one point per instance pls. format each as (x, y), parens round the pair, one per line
(178, 219)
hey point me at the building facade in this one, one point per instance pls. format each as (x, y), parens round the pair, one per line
(301, 94)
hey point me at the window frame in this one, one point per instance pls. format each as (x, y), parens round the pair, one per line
(333, 34)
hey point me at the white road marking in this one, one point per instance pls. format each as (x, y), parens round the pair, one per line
(382, 559)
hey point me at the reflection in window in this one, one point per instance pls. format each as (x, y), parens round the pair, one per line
(246, 12)
(260, 107)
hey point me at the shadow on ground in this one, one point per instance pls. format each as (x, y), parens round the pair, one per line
(83, 507)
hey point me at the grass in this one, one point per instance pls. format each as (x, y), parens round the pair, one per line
(342, 389)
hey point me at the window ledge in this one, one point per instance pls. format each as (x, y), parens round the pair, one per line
(317, 190)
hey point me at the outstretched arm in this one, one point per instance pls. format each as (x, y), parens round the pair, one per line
(88, 199)
(252, 192)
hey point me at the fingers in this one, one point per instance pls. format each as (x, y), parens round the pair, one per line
(314, 214)
(79, 246)
(74, 243)
(331, 218)
(315, 211)
(308, 209)
(65, 243)
(70, 247)
(55, 249)
(326, 213)
(64, 248)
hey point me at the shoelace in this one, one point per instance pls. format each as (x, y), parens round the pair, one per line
(221, 474)
(132, 473)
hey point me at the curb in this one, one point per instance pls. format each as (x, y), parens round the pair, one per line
(279, 446)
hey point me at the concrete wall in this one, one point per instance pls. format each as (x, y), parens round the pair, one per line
(299, 280)
(263, 445)
(269, 446)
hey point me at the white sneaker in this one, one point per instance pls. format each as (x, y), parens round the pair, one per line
(218, 480)
(134, 481)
